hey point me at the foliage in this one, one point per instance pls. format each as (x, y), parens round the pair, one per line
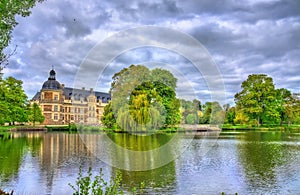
(163, 76)
(97, 186)
(190, 111)
(230, 115)
(191, 119)
(35, 114)
(142, 99)
(108, 118)
(13, 101)
(9, 9)
(260, 103)
(287, 106)
(212, 113)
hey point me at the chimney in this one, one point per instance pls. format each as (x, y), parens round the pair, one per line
(63, 85)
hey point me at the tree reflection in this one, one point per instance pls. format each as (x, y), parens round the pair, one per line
(260, 155)
(161, 177)
(13, 147)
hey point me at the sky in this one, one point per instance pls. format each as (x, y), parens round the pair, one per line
(238, 38)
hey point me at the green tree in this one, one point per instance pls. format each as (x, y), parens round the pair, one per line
(285, 104)
(13, 101)
(4, 109)
(230, 115)
(35, 114)
(191, 119)
(108, 118)
(142, 99)
(9, 9)
(164, 76)
(212, 113)
(257, 100)
(192, 108)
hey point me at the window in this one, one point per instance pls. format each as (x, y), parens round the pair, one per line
(55, 97)
(55, 108)
(55, 117)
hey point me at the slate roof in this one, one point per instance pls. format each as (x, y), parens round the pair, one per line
(77, 94)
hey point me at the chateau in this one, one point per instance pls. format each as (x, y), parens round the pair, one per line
(64, 105)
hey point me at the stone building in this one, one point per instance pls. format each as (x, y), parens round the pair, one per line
(63, 105)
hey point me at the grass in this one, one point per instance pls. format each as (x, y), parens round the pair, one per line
(284, 127)
(6, 128)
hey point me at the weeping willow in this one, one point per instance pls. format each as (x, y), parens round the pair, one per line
(141, 115)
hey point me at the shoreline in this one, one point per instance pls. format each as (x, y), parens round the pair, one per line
(178, 129)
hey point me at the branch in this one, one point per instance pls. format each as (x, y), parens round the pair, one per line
(4, 60)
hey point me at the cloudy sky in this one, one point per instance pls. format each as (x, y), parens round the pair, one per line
(242, 38)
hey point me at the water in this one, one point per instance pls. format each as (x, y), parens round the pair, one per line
(248, 162)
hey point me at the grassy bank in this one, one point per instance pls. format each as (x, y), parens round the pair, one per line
(16, 127)
(262, 128)
(6, 128)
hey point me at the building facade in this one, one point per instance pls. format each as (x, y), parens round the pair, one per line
(64, 105)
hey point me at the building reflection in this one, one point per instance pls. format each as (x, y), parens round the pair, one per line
(53, 154)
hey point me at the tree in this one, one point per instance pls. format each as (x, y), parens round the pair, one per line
(143, 99)
(9, 9)
(4, 107)
(164, 77)
(192, 108)
(35, 114)
(257, 100)
(13, 101)
(192, 119)
(285, 103)
(230, 114)
(212, 113)
(108, 118)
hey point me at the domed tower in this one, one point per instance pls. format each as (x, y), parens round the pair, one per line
(52, 83)
(51, 100)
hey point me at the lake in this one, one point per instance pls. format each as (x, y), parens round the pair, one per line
(246, 162)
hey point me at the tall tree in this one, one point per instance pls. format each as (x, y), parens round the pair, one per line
(164, 76)
(257, 99)
(142, 99)
(230, 114)
(9, 9)
(212, 113)
(190, 111)
(35, 114)
(13, 101)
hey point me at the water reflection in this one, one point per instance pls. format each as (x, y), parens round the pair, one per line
(163, 178)
(35, 163)
(264, 156)
(11, 152)
(246, 162)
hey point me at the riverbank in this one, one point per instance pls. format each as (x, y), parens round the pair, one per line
(262, 128)
(180, 128)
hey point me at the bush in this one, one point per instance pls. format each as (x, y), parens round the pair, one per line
(98, 186)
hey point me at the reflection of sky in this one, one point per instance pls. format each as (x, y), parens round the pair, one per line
(217, 171)
(225, 169)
